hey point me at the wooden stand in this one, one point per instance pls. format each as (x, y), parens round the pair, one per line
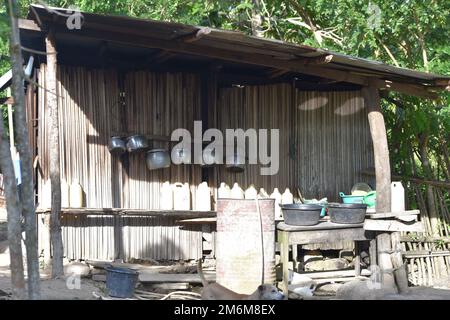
(324, 232)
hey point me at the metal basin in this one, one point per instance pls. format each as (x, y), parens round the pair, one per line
(298, 214)
(348, 213)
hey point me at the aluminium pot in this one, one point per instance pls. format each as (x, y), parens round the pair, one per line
(117, 145)
(299, 214)
(347, 213)
(137, 143)
(157, 159)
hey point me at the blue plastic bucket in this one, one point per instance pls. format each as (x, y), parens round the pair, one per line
(351, 199)
(120, 282)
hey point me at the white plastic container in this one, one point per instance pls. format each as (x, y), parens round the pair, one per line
(203, 197)
(76, 195)
(65, 194)
(397, 197)
(237, 192)
(166, 196)
(224, 191)
(263, 194)
(251, 192)
(181, 196)
(287, 197)
(277, 196)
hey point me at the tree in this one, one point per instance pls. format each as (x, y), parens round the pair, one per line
(26, 204)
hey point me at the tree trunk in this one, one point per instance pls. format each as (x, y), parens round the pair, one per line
(14, 217)
(383, 177)
(23, 146)
(53, 144)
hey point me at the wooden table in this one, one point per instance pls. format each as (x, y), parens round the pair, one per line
(323, 232)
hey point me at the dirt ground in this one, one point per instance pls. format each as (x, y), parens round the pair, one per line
(56, 289)
(63, 289)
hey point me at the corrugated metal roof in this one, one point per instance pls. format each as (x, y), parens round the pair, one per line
(237, 47)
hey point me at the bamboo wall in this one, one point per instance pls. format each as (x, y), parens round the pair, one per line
(90, 112)
(324, 142)
(324, 137)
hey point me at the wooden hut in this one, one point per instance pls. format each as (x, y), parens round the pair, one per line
(118, 75)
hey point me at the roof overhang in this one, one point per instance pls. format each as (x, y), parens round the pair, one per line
(275, 58)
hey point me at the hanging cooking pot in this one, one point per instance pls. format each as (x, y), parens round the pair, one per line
(158, 159)
(117, 145)
(137, 143)
(235, 163)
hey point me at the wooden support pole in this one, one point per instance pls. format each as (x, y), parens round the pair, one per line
(383, 177)
(54, 155)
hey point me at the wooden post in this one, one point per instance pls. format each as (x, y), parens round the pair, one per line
(383, 177)
(55, 178)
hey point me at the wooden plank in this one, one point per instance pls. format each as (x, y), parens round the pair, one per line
(198, 220)
(334, 274)
(322, 225)
(392, 214)
(320, 236)
(169, 286)
(425, 253)
(5, 79)
(145, 276)
(392, 225)
(132, 212)
(425, 239)
(30, 25)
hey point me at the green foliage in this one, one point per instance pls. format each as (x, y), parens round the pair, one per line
(400, 32)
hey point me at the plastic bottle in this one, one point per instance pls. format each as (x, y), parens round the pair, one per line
(181, 196)
(277, 196)
(237, 192)
(263, 194)
(287, 197)
(251, 192)
(75, 195)
(203, 197)
(224, 191)
(397, 197)
(166, 196)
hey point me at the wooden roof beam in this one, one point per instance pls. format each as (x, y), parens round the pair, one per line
(196, 35)
(104, 32)
(411, 89)
(324, 59)
(29, 25)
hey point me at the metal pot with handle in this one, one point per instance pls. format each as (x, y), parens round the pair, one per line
(158, 159)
